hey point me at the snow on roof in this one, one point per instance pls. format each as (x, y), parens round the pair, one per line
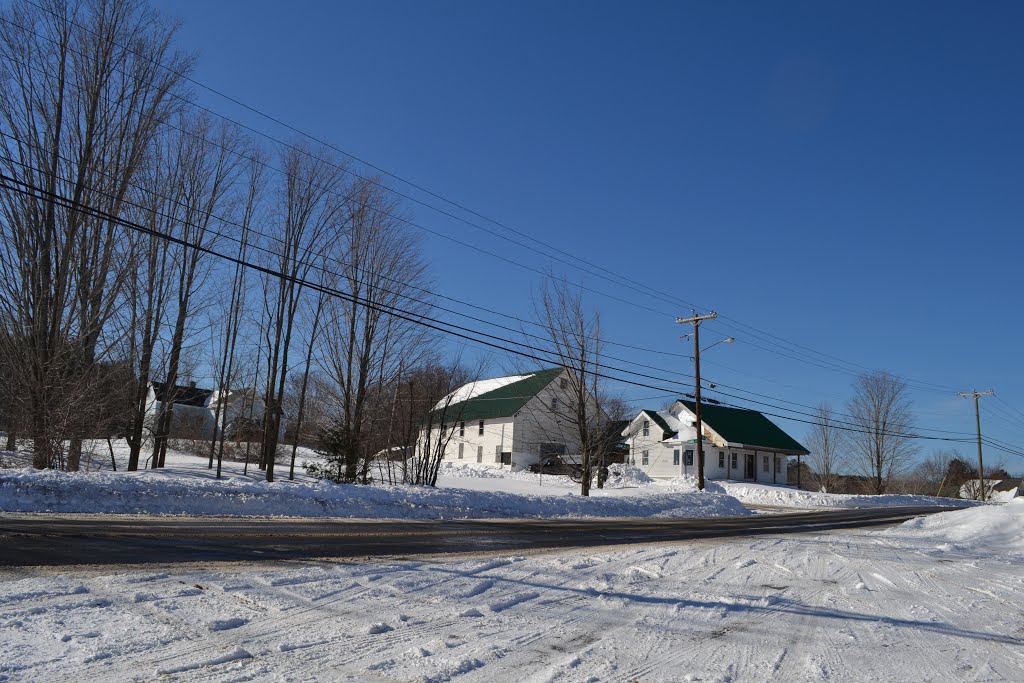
(480, 386)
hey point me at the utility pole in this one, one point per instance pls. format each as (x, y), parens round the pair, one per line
(977, 420)
(696, 320)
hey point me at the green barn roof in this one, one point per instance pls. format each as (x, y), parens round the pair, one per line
(502, 402)
(748, 427)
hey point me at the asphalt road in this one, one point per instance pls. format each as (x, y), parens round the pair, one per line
(47, 539)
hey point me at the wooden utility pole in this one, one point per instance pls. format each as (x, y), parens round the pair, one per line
(696, 320)
(977, 420)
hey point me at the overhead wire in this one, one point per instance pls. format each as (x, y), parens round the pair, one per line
(458, 331)
(624, 280)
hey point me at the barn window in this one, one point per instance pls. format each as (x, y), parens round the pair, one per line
(481, 432)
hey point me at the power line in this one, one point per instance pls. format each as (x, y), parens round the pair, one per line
(532, 348)
(632, 284)
(432, 323)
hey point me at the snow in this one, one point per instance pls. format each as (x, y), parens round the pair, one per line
(186, 486)
(998, 528)
(784, 496)
(871, 606)
(481, 386)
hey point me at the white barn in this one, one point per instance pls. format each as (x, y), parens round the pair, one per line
(738, 444)
(508, 421)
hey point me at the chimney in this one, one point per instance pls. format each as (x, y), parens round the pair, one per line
(191, 385)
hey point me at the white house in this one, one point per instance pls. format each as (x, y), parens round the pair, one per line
(195, 409)
(738, 444)
(512, 420)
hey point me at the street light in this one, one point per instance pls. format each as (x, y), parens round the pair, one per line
(727, 340)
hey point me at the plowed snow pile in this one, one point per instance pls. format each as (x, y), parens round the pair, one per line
(163, 492)
(997, 528)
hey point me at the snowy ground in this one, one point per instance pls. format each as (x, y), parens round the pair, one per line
(939, 599)
(786, 497)
(186, 486)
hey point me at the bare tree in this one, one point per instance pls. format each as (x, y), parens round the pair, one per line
(316, 314)
(204, 172)
(84, 91)
(381, 269)
(311, 211)
(432, 418)
(572, 339)
(227, 369)
(882, 448)
(826, 443)
(931, 474)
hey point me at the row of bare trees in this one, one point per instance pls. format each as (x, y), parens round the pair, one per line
(141, 242)
(873, 439)
(872, 447)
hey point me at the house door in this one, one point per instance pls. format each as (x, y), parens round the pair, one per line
(749, 472)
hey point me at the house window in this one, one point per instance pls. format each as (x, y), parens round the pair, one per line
(721, 460)
(764, 463)
(462, 429)
(563, 383)
(647, 428)
(675, 457)
(734, 461)
(689, 458)
(461, 448)
(645, 458)
(479, 453)
(554, 404)
(481, 432)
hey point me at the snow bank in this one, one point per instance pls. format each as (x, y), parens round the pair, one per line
(106, 492)
(621, 475)
(762, 494)
(995, 528)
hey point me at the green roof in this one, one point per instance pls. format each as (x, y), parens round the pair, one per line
(660, 421)
(502, 402)
(748, 427)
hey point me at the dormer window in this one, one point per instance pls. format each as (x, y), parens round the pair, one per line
(647, 428)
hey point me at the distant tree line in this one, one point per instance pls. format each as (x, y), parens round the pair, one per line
(871, 447)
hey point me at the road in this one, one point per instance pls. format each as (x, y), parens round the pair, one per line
(48, 539)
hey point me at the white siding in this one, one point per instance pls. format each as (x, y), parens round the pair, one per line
(498, 433)
(539, 423)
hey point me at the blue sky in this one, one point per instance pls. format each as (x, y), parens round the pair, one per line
(846, 176)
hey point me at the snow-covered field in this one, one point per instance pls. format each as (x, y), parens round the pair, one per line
(939, 599)
(186, 486)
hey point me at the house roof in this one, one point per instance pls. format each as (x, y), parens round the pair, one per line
(747, 427)
(183, 396)
(504, 401)
(667, 431)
